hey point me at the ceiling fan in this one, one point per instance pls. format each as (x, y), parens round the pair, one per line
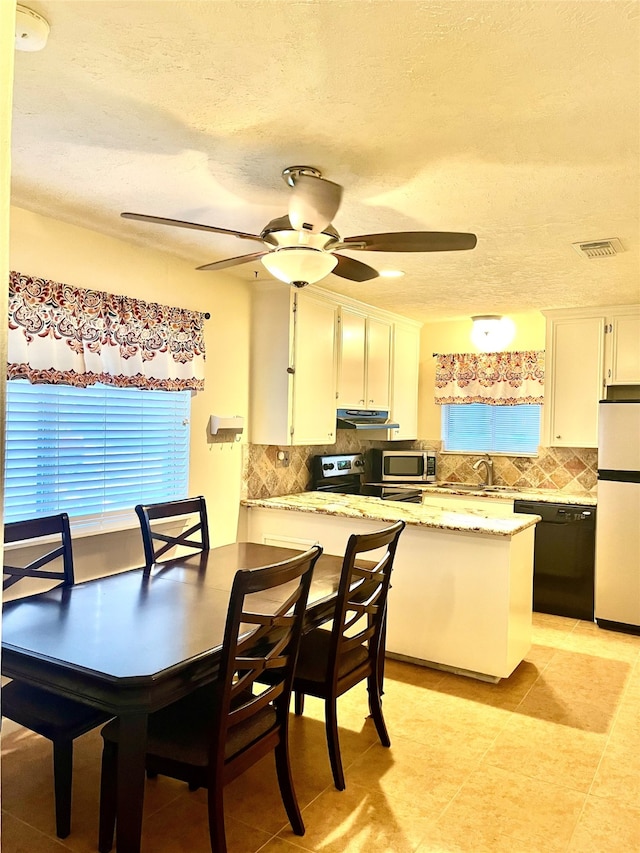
(302, 247)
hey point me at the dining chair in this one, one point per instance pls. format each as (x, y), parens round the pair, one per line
(157, 542)
(217, 732)
(332, 661)
(57, 718)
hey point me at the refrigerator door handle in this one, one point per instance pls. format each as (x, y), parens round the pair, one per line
(614, 476)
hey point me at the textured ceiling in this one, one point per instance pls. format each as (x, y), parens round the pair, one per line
(519, 121)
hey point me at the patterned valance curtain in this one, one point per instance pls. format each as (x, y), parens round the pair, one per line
(61, 334)
(494, 378)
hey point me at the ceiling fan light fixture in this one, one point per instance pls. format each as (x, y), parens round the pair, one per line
(491, 332)
(294, 264)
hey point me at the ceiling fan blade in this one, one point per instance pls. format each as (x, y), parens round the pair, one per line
(353, 270)
(233, 262)
(314, 203)
(413, 241)
(160, 220)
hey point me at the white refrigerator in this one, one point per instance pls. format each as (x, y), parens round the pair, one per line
(617, 587)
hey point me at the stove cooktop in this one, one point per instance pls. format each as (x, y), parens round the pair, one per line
(342, 474)
(391, 493)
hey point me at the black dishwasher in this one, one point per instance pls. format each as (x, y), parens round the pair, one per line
(564, 558)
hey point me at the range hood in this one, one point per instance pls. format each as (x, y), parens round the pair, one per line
(364, 419)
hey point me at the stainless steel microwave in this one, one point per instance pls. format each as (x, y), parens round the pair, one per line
(404, 466)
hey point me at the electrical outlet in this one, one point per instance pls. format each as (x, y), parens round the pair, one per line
(282, 459)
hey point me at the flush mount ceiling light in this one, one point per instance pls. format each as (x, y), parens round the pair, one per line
(32, 31)
(491, 332)
(299, 265)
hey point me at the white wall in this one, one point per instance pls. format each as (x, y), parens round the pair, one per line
(52, 249)
(455, 336)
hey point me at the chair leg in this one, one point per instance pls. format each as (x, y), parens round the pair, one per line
(216, 817)
(108, 796)
(331, 725)
(287, 791)
(62, 775)
(298, 703)
(375, 706)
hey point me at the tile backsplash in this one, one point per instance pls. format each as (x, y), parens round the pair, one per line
(572, 469)
(569, 469)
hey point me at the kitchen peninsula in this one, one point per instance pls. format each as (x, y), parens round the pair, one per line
(461, 594)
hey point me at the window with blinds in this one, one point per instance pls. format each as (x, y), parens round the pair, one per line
(93, 452)
(480, 428)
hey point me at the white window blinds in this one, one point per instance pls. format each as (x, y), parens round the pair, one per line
(480, 428)
(93, 451)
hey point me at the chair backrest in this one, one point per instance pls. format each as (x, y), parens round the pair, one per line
(262, 638)
(361, 604)
(157, 543)
(42, 566)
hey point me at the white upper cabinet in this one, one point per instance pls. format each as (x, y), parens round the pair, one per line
(314, 385)
(404, 381)
(364, 361)
(311, 354)
(587, 349)
(573, 383)
(293, 367)
(351, 369)
(623, 347)
(378, 363)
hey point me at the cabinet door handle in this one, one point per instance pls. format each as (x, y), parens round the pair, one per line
(558, 436)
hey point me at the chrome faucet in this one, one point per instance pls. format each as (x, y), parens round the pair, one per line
(487, 461)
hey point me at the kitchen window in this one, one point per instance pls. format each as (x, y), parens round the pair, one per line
(490, 402)
(481, 428)
(93, 452)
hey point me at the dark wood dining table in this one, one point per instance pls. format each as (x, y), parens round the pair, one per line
(133, 642)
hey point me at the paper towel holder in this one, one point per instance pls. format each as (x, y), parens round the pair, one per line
(230, 424)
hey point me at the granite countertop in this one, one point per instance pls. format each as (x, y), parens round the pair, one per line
(585, 498)
(469, 520)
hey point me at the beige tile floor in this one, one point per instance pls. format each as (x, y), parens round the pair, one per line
(548, 760)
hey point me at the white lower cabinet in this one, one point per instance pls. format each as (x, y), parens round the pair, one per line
(293, 368)
(459, 601)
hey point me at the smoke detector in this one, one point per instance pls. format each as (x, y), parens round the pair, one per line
(32, 31)
(599, 248)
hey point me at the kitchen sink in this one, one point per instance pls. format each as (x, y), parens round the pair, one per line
(462, 487)
(474, 487)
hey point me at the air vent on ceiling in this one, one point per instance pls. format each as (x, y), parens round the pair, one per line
(599, 248)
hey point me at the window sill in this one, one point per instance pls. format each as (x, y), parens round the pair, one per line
(490, 453)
